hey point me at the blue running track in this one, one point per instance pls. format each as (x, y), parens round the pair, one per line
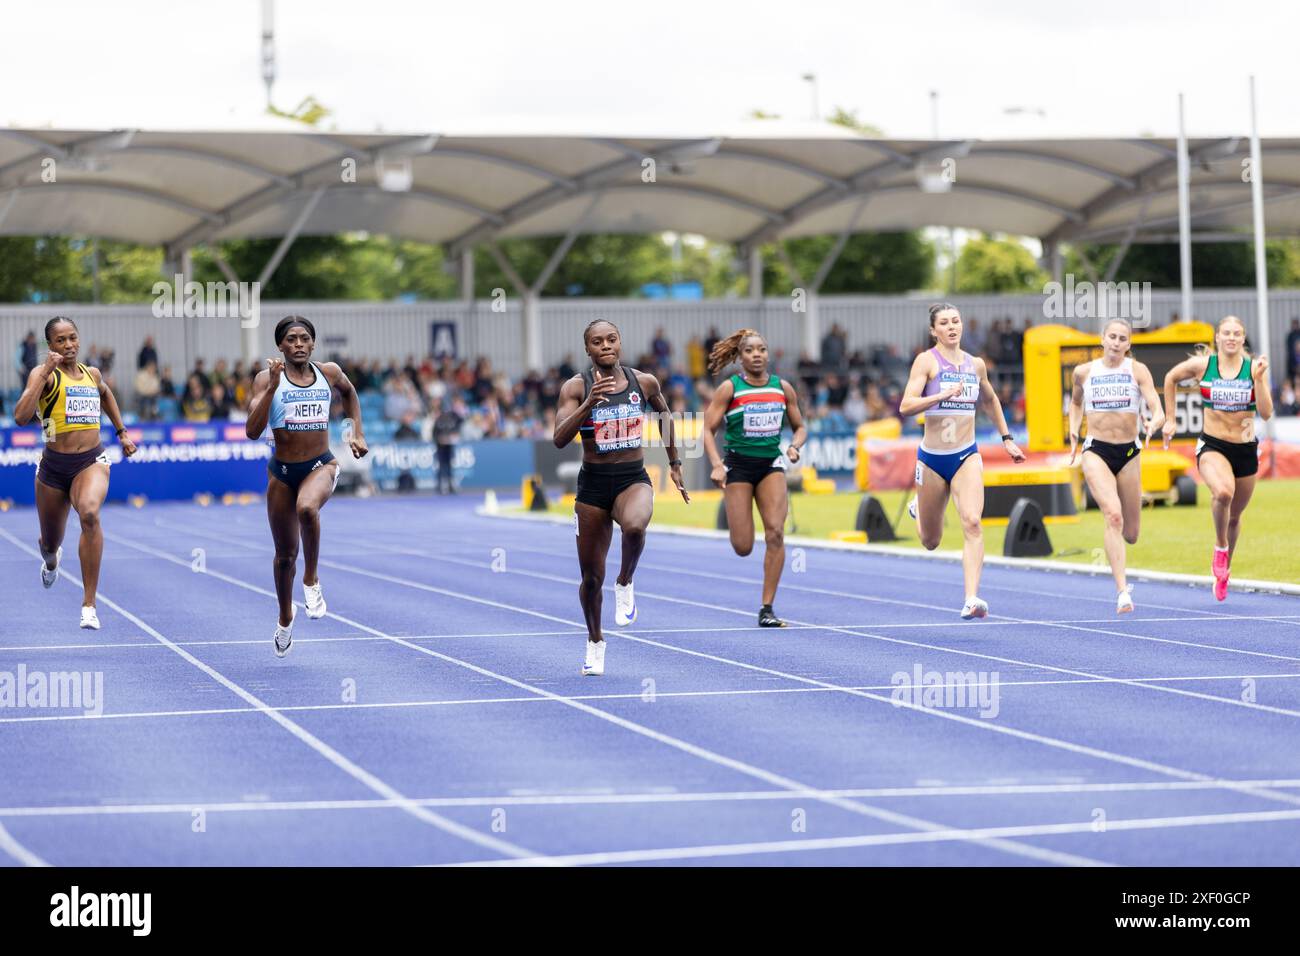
(437, 714)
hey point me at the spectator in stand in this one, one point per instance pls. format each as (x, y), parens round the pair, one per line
(147, 354)
(711, 340)
(662, 348)
(1287, 401)
(220, 400)
(148, 386)
(837, 390)
(1293, 349)
(877, 408)
(201, 371)
(167, 384)
(407, 431)
(1010, 349)
(855, 408)
(834, 350)
(972, 338)
(196, 405)
(695, 358)
(26, 359)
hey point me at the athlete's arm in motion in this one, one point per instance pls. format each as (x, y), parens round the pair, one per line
(29, 401)
(796, 423)
(713, 418)
(993, 408)
(654, 397)
(1193, 368)
(1263, 393)
(351, 406)
(1147, 386)
(573, 408)
(1076, 411)
(914, 403)
(259, 406)
(109, 403)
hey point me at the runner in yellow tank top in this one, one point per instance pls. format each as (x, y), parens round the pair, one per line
(67, 398)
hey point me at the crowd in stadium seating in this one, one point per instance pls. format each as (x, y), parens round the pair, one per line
(839, 389)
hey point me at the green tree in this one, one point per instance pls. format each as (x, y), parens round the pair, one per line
(990, 264)
(1215, 265)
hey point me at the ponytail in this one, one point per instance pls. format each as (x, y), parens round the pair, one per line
(725, 350)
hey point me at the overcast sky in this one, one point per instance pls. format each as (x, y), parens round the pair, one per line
(1103, 67)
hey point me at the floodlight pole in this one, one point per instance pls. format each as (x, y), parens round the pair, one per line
(1261, 266)
(268, 47)
(1184, 217)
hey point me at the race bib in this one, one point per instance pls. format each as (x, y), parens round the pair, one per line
(308, 412)
(81, 405)
(1230, 395)
(619, 429)
(970, 390)
(763, 420)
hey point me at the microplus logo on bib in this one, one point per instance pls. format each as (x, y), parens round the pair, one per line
(131, 910)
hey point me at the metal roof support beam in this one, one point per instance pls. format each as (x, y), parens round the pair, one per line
(1116, 262)
(6, 204)
(222, 264)
(277, 257)
(467, 279)
(756, 274)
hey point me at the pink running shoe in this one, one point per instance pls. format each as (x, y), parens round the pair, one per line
(1219, 567)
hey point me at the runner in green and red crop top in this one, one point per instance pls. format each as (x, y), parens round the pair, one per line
(755, 405)
(1233, 387)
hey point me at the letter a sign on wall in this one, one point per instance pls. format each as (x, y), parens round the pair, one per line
(444, 339)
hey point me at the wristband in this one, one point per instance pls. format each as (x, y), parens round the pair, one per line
(674, 462)
(1007, 437)
(121, 431)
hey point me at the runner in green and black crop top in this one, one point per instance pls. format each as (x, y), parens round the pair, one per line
(755, 405)
(1233, 386)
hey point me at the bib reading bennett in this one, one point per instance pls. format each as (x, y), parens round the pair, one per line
(755, 417)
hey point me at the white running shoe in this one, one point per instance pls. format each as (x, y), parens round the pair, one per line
(624, 604)
(974, 607)
(1125, 603)
(89, 619)
(284, 635)
(315, 600)
(50, 575)
(594, 665)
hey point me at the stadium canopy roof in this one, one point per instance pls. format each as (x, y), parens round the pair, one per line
(760, 181)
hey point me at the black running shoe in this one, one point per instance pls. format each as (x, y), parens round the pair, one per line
(768, 618)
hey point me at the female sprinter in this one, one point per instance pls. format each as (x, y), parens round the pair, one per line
(1233, 386)
(947, 384)
(1109, 391)
(755, 405)
(606, 404)
(73, 470)
(292, 395)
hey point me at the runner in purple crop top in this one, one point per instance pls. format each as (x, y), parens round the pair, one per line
(946, 385)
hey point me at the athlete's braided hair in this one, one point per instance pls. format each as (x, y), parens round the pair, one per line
(725, 350)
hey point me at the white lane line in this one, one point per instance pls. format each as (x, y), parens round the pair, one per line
(564, 800)
(738, 692)
(359, 774)
(899, 839)
(410, 637)
(1229, 701)
(751, 770)
(16, 850)
(1163, 769)
(911, 578)
(732, 579)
